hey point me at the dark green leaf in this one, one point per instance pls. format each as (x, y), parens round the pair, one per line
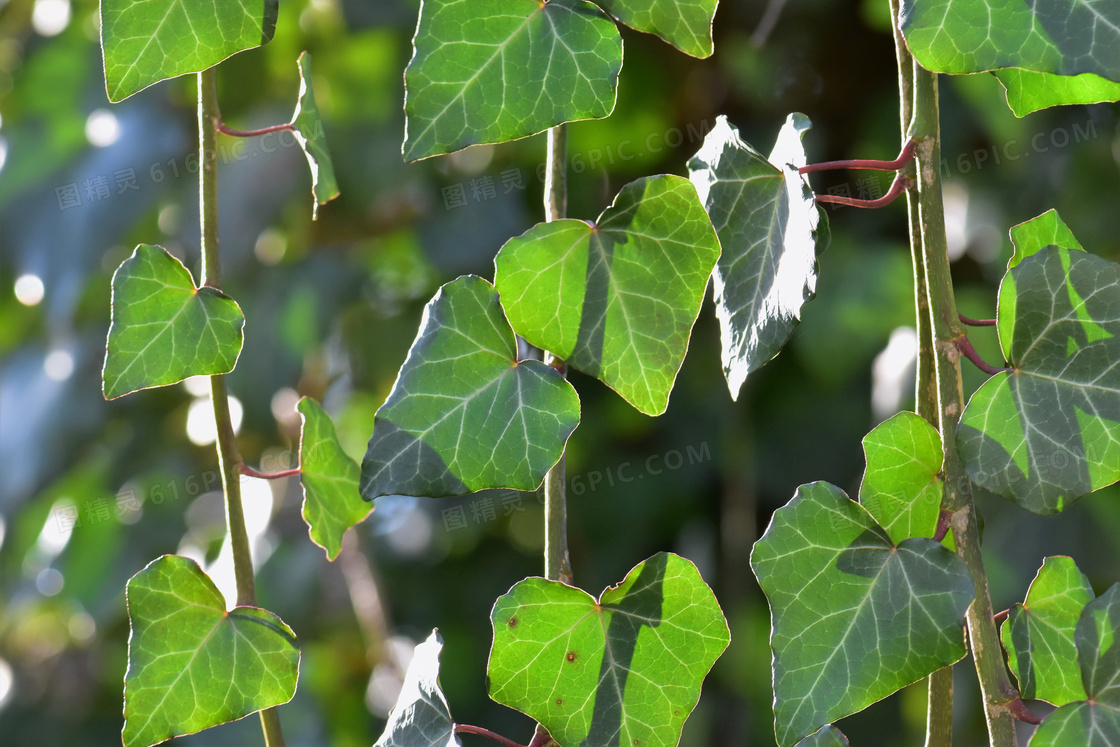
(309, 132)
(163, 328)
(626, 670)
(192, 664)
(1038, 634)
(1038, 233)
(464, 413)
(1028, 91)
(145, 42)
(421, 717)
(771, 232)
(1048, 432)
(902, 486)
(686, 24)
(616, 299)
(488, 71)
(854, 617)
(331, 501)
(826, 736)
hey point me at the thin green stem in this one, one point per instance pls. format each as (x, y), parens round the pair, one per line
(229, 460)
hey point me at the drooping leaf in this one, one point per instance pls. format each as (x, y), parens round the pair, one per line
(686, 24)
(1048, 432)
(331, 501)
(771, 233)
(1038, 634)
(165, 329)
(1068, 37)
(854, 617)
(487, 71)
(421, 717)
(145, 42)
(902, 486)
(1094, 722)
(309, 134)
(192, 664)
(1028, 91)
(464, 413)
(616, 299)
(625, 670)
(826, 736)
(1038, 233)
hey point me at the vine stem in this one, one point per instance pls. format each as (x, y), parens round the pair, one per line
(482, 732)
(229, 460)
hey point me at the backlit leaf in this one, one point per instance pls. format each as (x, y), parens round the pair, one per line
(902, 486)
(1028, 91)
(421, 717)
(686, 24)
(309, 133)
(1048, 229)
(826, 736)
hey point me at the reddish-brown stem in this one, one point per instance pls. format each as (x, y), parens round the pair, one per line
(897, 188)
(1000, 616)
(969, 352)
(976, 322)
(1021, 712)
(944, 520)
(247, 470)
(254, 133)
(468, 729)
(904, 158)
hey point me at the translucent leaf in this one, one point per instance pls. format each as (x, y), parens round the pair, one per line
(624, 670)
(488, 71)
(616, 299)
(902, 486)
(854, 617)
(192, 664)
(145, 42)
(165, 329)
(309, 133)
(771, 232)
(826, 736)
(1038, 233)
(686, 24)
(464, 413)
(1028, 91)
(421, 717)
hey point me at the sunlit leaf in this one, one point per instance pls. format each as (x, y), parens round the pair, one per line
(902, 487)
(309, 133)
(165, 329)
(624, 670)
(616, 299)
(1038, 233)
(146, 42)
(854, 617)
(421, 717)
(192, 664)
(1028, 91)
(771, 232)
(826, 736)
(686, 24)
(464, 413)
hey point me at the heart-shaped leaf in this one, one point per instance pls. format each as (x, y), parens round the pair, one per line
(1048, 432)
(686, 24)
(144, 42)
(616, 299)
(771, 232)
(854, 617)
(624, 670)
(1048, 229)
(902, 485)
(488, 71)
(165, 329)
(192, 664)
(421, 717)
(826, 736)
(1028, 91)
(1039, 633)
(464, 413)
(331, 501)
(309, 133)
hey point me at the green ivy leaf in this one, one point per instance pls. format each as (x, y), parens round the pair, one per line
(488, 71)
(1028, 91)
(421, 717)
(1038, 634)
(1094, 722)
(1048, 229)
(464, 413)
(902, 485)
(165, 329)
(616, 299)
(624, 670)
(309, 133)
(771, 232)
(144, 43)
(686, 24)
(192, 664)
(854, 617)
(971, 36)
(1048, 432)
(331, 501)
(826, 736)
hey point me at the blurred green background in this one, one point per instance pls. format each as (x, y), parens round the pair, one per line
(91, 491)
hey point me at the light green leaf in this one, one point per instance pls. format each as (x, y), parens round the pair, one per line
(165, 329)
(626, 670)
(464, 413)
(1028, 91)
(902, 485)
(616, 299)
(1067, 37)
(309, 133)
(854, 617)
(192, 664)
(146, 42)
(331, 501)
(1038, 634)
(686, 24)
(487, 71)
(1038, 233)
(421, 717)
(771, 232)
(826, 736)
(1048, 432)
